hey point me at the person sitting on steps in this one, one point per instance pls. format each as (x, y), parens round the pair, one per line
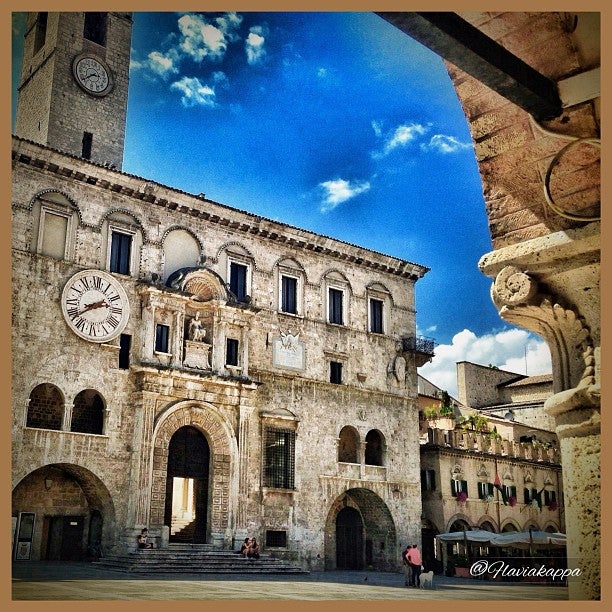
(143, 539)
(253, 550)
(244, 549)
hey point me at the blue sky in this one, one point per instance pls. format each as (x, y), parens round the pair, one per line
(337, 123)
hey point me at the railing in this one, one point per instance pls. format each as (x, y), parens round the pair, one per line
(477, 442)
(418, 344)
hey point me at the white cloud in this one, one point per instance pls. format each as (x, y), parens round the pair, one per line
(377, 127)
(338, 191)
(194, 93)
(201, 39)
(402, 136)
(506, 350)
(444, 144)
(254, 45)
(161, 64)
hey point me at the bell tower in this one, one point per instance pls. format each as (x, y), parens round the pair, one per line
(74, 83)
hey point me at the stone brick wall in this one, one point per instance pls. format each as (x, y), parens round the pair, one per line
(513, 153)
(47, 76)
(147, 403)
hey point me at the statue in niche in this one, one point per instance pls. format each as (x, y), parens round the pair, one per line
(197, 333)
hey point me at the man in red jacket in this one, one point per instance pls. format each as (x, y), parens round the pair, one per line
(414, 558)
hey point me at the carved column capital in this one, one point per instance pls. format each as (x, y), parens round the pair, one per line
(577, 411)
(512, 287)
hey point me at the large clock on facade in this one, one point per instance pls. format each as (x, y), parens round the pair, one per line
(92, 74)
(95, 305)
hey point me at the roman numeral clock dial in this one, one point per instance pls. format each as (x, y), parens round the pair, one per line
(95, 305)
(92, 74)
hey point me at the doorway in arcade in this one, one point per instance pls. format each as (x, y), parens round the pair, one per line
(360, 533)
(187, 484)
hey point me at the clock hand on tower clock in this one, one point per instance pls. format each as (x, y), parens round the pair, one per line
(93, 306)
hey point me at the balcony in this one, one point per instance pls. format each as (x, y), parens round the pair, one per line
(476, 442)
(420, 347)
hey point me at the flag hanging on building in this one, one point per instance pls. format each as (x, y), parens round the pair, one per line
(498, 485)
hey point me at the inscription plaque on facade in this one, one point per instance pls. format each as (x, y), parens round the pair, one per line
(288, 352)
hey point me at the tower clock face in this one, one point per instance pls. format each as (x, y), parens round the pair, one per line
(92, 74)
(95, 306)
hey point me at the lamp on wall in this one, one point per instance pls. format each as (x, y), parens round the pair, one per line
(48, 483)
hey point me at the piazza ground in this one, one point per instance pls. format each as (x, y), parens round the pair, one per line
(48, 581)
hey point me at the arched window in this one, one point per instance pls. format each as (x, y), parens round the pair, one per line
(374, 448)
(88, 413)
(46, 407)
(348, 445)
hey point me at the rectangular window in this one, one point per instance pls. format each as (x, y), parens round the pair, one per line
(510, 491)
(485, 489)
(458, 486)
(125, 343)
(279, 458)
(162, 333)
(40, 33)
(86, 145)
(231, 352)
(121, 252)
(94, 28)
(428, 480)
(54, 230)
(289, 294)
(238, 280)
(276, 539)
(549, 497)
(376, 316)
(335, 372)
(335, 306)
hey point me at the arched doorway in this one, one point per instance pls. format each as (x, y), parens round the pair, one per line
(360, 533)
(187, 483)
(349, 539)
(62, 512)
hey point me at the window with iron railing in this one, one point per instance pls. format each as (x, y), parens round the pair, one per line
(279, 458)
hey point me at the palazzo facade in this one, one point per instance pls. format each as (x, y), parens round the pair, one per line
(189, 367)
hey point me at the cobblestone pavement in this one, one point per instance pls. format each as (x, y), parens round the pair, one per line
(36, 581)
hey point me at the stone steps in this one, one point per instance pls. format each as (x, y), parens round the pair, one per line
(194, 559)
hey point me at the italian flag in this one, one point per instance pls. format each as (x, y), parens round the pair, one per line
(498, 485)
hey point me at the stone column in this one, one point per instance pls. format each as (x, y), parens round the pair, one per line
(244, 443)
(177, 345)
(141, 494)
(577, 412)
(559, 300)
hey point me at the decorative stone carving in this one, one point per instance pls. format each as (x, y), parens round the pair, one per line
(568, 339)
(197, 355)
(513, 287)
(197, 333)
(288, 351)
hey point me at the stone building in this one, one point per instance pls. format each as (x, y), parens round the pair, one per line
(505, 394)
(186, 366)
(460, 466)
(529, 84)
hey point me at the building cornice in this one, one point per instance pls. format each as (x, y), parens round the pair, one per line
(47, 159)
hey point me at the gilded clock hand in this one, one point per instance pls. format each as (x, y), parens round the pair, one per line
(94, 305)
